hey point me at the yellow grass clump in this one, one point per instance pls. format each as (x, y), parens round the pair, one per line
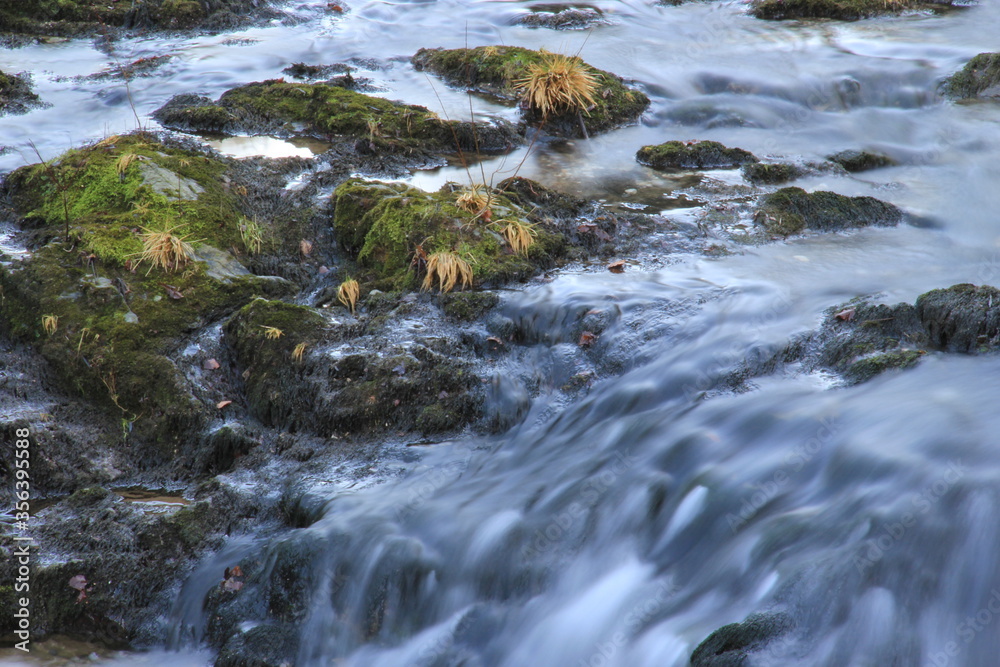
(165, 249)
(558, 84)
(272, 333)
(348, 293)
(449, 270)
(50, 323)
(474, 199)
(518, 234)
(299, 352)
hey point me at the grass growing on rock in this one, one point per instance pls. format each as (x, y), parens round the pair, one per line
(693, 155)
(118, 322)
(498, 71)
(393, 230)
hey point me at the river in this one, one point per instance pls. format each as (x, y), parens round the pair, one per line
(621, 530)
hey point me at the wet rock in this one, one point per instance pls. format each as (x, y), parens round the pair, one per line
(792, 210)
(695, 155)
(374, 124)
(770, 173)
(961, 318)
(468, 306)
(497, 69)
(980, 78)
(16, 96)
(848, 10)
(304, 71)
(566, 18)
(855, 161)
(733, 645)
(262, 646)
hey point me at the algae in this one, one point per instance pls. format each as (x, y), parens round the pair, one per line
(760, 173)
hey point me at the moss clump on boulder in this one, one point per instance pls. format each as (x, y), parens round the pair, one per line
(770, 173)
(16, 96)
(847, 10)
(733, 644)
(693, 155)
(495, 70)
(855, 161)
(105, 319)
(868, 367)
(962, 318)
(391, 229)
(792, 210)
(980, 78)
(329, 111)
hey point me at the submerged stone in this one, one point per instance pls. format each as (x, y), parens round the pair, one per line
(848, 10)
(792, 210)
(855, 161)
(733, 644)
(980, 78)
(496, 70)
(693, 155)
(962, 318)
(771, 173)
(16, 96)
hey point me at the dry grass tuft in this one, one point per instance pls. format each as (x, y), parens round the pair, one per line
(252, 235)
(165, 249)
(299, 352)
(50, 323)
(272, 333)
(558, 84)
(124, 162)
(518, 234)
(449, 269)
(348, 293)
(474, 199)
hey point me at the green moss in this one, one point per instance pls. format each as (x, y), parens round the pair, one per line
(855, 161)
(384, 225)
(868, 367)
(468, 306)
(15, 94)
(496, 69)
(835, 9)
(117, 320)
(979, 77)
(760, 173)
(697, 155)
(790, 210)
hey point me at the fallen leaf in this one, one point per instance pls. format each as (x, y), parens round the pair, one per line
(232, 585)
(222, 404)
(210, 365)
(845, 315)
(594, 311)
(237, 571)
(591, 228)
(335, 8)
(496, 341)
(305, 247)
(442, 395)
(396, 402)
(323, 270)
(172, 291)
(79, 582)
(587, 339)
(617, 267)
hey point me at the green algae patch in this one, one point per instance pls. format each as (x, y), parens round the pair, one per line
(980, 78)
(321, 109)
(693, 155)
(105, 318)
(855, 161)
(792, 210)
(495, 70)
(391, 229)
(16, 96)
(846, 10)
(868, 367)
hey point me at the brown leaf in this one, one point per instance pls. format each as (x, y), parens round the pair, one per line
(222, 404)
(617, 267)
(79, 582)
(210, 365)
(232, 585)
(305, 247)
(323, 270)
(845, 315)
(587, 339)
(237, 571)
(172, 291)
(591, 228)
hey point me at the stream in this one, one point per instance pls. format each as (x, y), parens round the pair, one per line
(624, 528)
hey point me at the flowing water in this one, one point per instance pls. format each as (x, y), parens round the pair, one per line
(623, 529)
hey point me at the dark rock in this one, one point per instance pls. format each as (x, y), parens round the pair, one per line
(696, 155)
(262, 646)
(980, 78)
(733, 644)
(855, 161)
(771, 173)
(962, 318)
(848, 10)
(563, 19)
(16, 96)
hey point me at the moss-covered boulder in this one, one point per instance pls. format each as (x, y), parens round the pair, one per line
(495, 70)
(980, 78)
(792, 210)
(693, 155)
(392, 230)
(105, 316)
(16, 96)
(71, 17)
(330, 111)
(847, 10)
(562, 18)
(855, 160)
(733, 644)
(962, 318)
(770, 173)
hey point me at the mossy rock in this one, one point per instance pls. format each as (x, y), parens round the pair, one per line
(770, 173)
(962, 318)
(468, 306)
(328, 111)
(16, 96)
(792, 210)
(390, 228)
(697, 155)
(73, 17)
(980, 78)
(855, 161)
(113, 321)
(733, 644)
(868, 367)
(496, 69)
(846, 10)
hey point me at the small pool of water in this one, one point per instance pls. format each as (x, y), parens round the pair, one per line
(271, 147)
